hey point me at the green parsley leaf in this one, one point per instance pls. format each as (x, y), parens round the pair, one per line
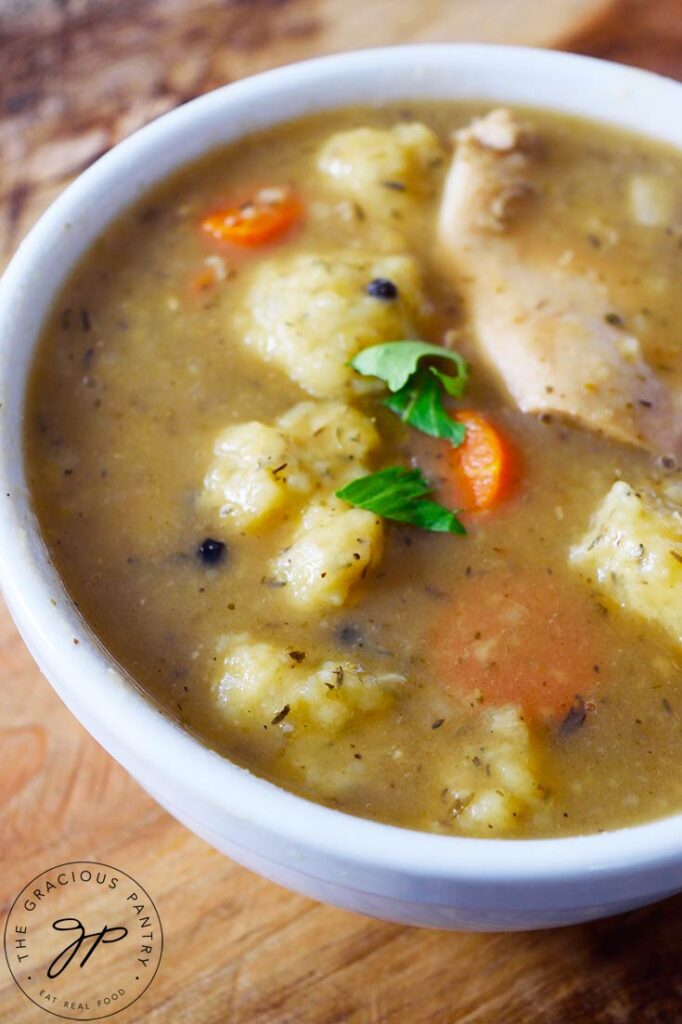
(420, 403)
(398, 493)
(455, 386)
(396, 361)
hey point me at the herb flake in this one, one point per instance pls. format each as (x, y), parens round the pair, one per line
(281, 715)
(575, 717)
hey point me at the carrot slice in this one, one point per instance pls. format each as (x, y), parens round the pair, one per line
(485, 467)
(520, 639)
(266, 217)
(480, 474)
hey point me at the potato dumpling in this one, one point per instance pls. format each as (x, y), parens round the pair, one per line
(495, 788)
(333, 548)
(259, 684)
(256, 471)
(310, 314)
(334, 439)
(259, 470)
(633, 551)
(655, 200)
(382, 167)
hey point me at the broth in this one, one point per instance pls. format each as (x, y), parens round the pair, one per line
(142, 366)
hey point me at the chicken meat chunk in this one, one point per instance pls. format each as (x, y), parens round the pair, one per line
(549, 333)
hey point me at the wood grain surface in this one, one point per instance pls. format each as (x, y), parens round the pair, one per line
(74, 78)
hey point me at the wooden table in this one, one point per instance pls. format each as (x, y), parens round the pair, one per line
(75, 77)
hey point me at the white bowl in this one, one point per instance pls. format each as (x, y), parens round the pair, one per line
(388, 872)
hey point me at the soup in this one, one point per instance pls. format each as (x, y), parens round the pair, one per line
(357, 444)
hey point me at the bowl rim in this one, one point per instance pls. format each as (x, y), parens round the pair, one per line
(88, 678)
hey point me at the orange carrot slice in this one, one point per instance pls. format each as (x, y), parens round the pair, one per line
(520, 638)
(265, 218)
(485, 467)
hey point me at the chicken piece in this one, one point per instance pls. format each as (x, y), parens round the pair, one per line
(632, 552)
(549, 333)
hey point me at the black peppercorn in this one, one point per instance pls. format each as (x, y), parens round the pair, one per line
(382, 288)
(211, 551)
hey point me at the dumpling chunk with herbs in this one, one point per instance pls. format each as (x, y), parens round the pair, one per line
(333, 548)
(255, 472)
(633, 553)
(259, 470)
(494, 788)
(310, 314)
(260, 684)
(333, 439)
(379, 167)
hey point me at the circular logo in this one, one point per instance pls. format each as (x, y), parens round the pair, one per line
(83, 940)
